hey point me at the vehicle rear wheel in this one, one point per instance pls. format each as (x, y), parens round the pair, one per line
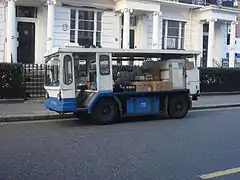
(105, 112)
(178, 106)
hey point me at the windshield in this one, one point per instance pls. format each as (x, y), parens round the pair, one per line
(52, 71)
(80, 68)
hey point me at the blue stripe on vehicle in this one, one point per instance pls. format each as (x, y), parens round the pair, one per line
(63, 105)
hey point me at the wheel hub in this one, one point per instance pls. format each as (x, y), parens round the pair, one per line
(106, 109)
(179, 106)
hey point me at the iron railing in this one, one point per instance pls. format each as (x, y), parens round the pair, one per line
(33, 80)
(219, 80)
(27, 80)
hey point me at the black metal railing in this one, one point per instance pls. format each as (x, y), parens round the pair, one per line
(33, 80)
(27, 80)
(11, 78)
(219, 80)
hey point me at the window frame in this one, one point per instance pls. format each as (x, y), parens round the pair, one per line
(34, 10)
(66, 70)
(179, 39)
(108, 65)
(97, 19)
(54, 70)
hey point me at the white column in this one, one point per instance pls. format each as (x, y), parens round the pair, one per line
(11, 32)
(156, 30)
(210, 43)
(200, 39)
(126, 28)
(143, 31)
(50, 24)
(232, 44)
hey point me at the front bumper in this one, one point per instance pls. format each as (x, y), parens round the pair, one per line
(64, 105)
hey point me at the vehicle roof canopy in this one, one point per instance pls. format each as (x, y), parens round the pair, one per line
(118, 53)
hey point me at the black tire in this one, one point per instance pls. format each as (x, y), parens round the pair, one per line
(105, 112)
(178, 106)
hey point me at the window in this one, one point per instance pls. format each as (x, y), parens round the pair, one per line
(104, 64)
(173, 34)
(85, 27)
(52, 71)
(67, 67)
(27, 12)
(205, 28)
(228, 39)
(80, 69)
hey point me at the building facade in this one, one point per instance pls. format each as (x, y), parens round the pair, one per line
(29, 28)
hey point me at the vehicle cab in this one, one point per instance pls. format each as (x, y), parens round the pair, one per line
(73, 77)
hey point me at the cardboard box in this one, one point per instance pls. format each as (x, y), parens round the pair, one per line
(167, 85)
(189, 65)
(160, 85)
(144, 86)
(141, 86)
(138, 86)
(155, 85)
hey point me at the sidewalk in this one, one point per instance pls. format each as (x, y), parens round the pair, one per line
(34, 110)
(29, 110)
(217, 101)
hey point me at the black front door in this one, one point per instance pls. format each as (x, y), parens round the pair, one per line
(205, 50)
(132, 39)
(205, 44)
(26, 42)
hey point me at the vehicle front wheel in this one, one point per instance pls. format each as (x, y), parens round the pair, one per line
(105, 112)
(178, 106)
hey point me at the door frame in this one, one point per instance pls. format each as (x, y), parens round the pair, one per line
(121, 35)
(28, 20)
(104, 81)
(134, 35)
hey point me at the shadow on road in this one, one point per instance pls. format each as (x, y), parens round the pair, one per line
(87, 123)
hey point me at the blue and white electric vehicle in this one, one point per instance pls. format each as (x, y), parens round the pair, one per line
(80, 81)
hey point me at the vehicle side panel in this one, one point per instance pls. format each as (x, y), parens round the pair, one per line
(62, 106)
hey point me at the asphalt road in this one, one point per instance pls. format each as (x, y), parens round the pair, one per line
(204, 142)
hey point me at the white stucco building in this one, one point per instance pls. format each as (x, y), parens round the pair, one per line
(28, 28)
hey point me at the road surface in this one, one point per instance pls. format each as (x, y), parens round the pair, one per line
(203, 143)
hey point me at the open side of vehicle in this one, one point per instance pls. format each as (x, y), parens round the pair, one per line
(87, 82)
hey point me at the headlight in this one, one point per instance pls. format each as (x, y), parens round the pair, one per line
(59, 96)
(46, 95)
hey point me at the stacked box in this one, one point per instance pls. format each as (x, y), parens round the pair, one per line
(141, 86)
(189, 65)
(167, 85)
(160, 85)
(144, 86)
(155, 85)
